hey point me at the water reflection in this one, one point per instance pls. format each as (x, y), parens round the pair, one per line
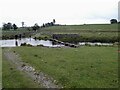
(96, 43)
(16, 43)
(31, 41)
(35, 42)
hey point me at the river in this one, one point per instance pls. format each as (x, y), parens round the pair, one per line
(47, 43)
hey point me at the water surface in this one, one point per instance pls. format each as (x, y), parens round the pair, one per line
(47, 43)
(31, 41)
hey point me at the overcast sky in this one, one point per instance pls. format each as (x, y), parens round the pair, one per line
(64, 11)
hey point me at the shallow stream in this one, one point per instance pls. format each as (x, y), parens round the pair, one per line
(47, 43)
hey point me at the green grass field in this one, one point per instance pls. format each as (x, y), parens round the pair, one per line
(88, 33)
(87, 27)
(91, 29)
(84, 67)
(105, 33)
(12, 78)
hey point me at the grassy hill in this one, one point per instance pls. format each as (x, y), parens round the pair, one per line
(85, 27)
(90, 32)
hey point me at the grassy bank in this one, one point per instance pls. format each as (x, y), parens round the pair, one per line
(10, 34)
(84, 67)
(12, 78)
(105, 33)
(93, 37)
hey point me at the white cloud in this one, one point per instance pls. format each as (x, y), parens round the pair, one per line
(64, 11)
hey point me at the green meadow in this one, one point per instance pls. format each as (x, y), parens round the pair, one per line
(82, 67)
(88, 32)
(13, 78)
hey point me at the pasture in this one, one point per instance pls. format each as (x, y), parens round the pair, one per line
(84, 67)
(13, 78)
(88, 33)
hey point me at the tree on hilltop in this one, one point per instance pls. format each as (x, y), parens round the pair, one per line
(54, 21)
(7, 26)
(35, 27)
(15, 26)
(23, 24)
(113, 21)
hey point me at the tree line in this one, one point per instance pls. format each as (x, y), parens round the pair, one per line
(114, 21)
(9, 25)
(36, 26)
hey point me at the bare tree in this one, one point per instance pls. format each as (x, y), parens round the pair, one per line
(23, 24)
